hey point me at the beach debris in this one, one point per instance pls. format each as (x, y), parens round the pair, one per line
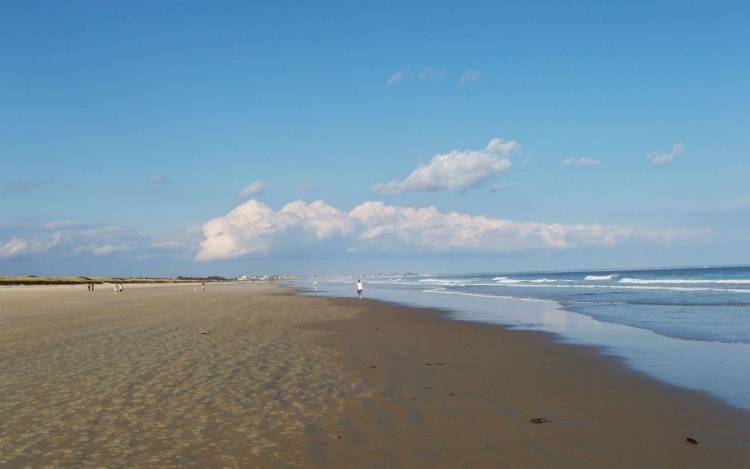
(538, 420)
(439, 364)
(427, 387)
(691, 440)
(338, 437)
(428, 364)
(372, 366)
(204, 333)
(455, 394)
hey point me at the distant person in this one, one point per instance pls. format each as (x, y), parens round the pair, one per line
(360, 287)
(203, 286)
(315, 284)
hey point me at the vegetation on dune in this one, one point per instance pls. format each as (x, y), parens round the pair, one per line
(76, 280)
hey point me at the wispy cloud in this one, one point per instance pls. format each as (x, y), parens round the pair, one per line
(427, 73)
(158, 183)
(254, 188)
(470, 77)
(18, 246)
(103, 249)
(66, 238)
(253, 228)
(430, 73)
(582, 162)
(658, 159)
(25, 185)
(306, 186)
(456, 170)
(397, 77)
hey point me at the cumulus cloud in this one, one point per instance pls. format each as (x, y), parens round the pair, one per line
(470, 77)
(457, 170)
(254, 188)
(253, 227)
(582, 162)
(658, 159)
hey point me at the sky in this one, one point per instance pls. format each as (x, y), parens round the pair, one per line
(196, 138)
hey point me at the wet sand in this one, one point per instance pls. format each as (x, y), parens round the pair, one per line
(252, 376)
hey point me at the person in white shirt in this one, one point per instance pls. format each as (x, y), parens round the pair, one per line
(360, 287)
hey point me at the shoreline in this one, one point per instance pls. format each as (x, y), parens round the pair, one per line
(720, 369)
(594, 397)
(261, 375)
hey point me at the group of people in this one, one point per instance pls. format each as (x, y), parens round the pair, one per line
(202, 285)
(118, 288)
(90, 286)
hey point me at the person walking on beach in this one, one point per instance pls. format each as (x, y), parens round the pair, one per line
(360, 287)
(203, 286)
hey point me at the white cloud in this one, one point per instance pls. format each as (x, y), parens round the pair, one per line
(253, 227)
(17, 246)
(66, 238)
(582, 162)
(432, 229)
(427, 73)
(254, 188)
(109, 249)
(457, 170)
(470, 77)
(658, 159)
(398, 76)
(13, 247)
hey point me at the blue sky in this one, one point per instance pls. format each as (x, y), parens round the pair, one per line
(137, 123)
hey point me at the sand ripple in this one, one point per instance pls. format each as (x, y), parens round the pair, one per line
(161, 376)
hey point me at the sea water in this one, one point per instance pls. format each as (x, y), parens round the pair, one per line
(688, 327)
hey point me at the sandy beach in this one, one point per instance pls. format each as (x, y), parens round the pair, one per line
(247, 375)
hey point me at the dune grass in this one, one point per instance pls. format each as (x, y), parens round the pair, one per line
(76, 280)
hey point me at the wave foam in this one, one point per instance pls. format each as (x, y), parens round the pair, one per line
(600, 277)
(640, 287)
(444, 281)
(679, 281)
(479, 295)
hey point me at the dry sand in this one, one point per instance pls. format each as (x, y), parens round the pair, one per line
(252, 376)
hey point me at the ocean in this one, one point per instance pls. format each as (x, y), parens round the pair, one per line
(689, 327)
